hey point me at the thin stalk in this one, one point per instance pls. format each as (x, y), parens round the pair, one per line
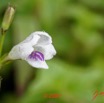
(2, 41)
(4, 61)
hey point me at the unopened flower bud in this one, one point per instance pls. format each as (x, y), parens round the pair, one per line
(8, 17)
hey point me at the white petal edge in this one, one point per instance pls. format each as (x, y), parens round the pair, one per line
(31, 39)
(48, 51)
(20, 51)
(37, 63)
(44, 39)
(38, 37)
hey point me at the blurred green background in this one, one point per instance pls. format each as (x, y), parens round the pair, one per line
(76, 72)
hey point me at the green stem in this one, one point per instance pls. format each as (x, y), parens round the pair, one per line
(2, 41)
(4, 61)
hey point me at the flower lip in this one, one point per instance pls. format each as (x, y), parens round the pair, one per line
(36, 55)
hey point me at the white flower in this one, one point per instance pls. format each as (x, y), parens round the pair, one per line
(35, 49)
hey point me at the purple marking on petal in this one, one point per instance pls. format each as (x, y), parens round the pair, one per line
(36, 55)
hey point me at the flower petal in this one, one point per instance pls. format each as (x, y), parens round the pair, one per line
(32, 39)
(37, 63)
(20, 51)
(44, 39)
(39, 37)
(47, 50)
